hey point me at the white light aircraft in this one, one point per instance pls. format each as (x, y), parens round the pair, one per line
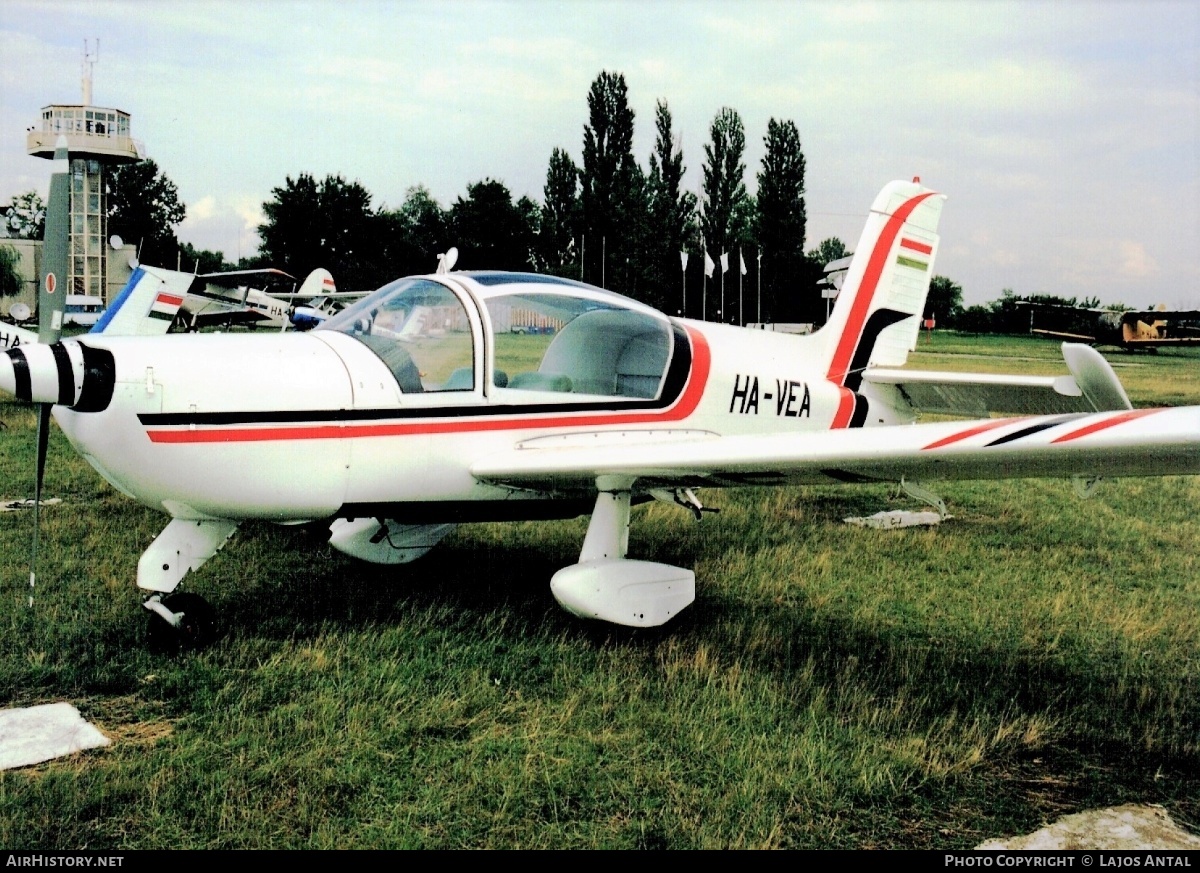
(469, 396)
(228, 298)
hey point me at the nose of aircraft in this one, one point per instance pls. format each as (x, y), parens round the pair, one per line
(69, 374)
(31, 373)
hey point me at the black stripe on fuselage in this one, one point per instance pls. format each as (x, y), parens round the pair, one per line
(880, 320)
(673, 385)
(66, 379)
(23, 387)
(859, 417)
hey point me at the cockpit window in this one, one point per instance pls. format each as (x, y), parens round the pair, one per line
(420, 330)
(563, 345)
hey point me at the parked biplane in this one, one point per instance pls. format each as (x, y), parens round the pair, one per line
(1126, 329)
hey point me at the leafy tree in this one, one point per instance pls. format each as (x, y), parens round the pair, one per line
(329, 224)
(789, 278)
(671, 211)
(26, 217)
(426, 227)
(975, 319)
(613, 186)
(10, 272)
(144, 209)
(409, 239)
(727, 217)
(561, 217)
(828, 251)
(492, 232)
(944, 302)
(724, 183)
(203, 260)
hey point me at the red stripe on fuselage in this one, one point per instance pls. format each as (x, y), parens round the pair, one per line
(1102, 425)
(844, 353)
(169, 300)
(683, 407)
(845, 410)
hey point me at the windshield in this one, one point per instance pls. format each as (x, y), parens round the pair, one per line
(420, 329)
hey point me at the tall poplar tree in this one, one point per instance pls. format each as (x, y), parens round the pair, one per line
(788, 278)
(672, 214)
(724, 182)
(561, 213)
(613, 186)
(725, 219)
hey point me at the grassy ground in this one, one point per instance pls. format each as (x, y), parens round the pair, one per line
(831, 687)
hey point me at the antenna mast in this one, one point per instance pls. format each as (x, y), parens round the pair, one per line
(89, 61)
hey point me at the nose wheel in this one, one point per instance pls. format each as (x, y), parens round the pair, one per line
(182, 622)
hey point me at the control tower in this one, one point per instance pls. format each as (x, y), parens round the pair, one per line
(97, 137)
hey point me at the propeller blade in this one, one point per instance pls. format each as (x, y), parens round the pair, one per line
(52, 293)
(52, 296)
(43, 440)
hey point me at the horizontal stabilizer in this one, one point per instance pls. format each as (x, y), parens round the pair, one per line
(1091, 387)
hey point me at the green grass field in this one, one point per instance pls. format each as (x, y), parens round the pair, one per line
(1035, 656)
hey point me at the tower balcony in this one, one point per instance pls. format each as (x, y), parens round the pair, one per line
(93, 132)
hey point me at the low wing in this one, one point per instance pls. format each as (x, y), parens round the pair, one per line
(1091, 387)
(1126, 443)
(217, 299)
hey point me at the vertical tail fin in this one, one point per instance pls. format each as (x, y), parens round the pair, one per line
(318, 284)
(147, 304)
(878, 312)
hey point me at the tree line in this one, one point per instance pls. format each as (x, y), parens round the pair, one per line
(722, 255)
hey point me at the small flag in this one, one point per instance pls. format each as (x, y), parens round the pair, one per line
(683, 260)
(709, 266)
(742, 258)
(725, 262)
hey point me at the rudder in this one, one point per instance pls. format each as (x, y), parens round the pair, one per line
(878, 312)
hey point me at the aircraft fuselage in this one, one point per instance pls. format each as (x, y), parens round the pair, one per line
(296, 427)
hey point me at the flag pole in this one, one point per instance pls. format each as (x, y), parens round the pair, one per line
(759, 278)
(741, 272)
(683, 270)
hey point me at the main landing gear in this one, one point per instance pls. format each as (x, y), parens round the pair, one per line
(608, 586)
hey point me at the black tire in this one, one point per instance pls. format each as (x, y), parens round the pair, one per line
(197, 628)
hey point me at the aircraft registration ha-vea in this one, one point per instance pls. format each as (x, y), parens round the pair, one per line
(471, 396)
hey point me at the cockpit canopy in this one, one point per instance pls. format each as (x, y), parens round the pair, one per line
(519, 337)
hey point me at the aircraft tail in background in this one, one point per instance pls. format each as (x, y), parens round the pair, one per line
(147, 304)
(319, 283)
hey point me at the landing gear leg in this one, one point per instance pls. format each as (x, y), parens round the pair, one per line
(181, 620)
(608, 586)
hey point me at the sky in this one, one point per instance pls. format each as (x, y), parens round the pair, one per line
(1065, 135)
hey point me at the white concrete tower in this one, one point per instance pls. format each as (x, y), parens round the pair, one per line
(97, 137)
